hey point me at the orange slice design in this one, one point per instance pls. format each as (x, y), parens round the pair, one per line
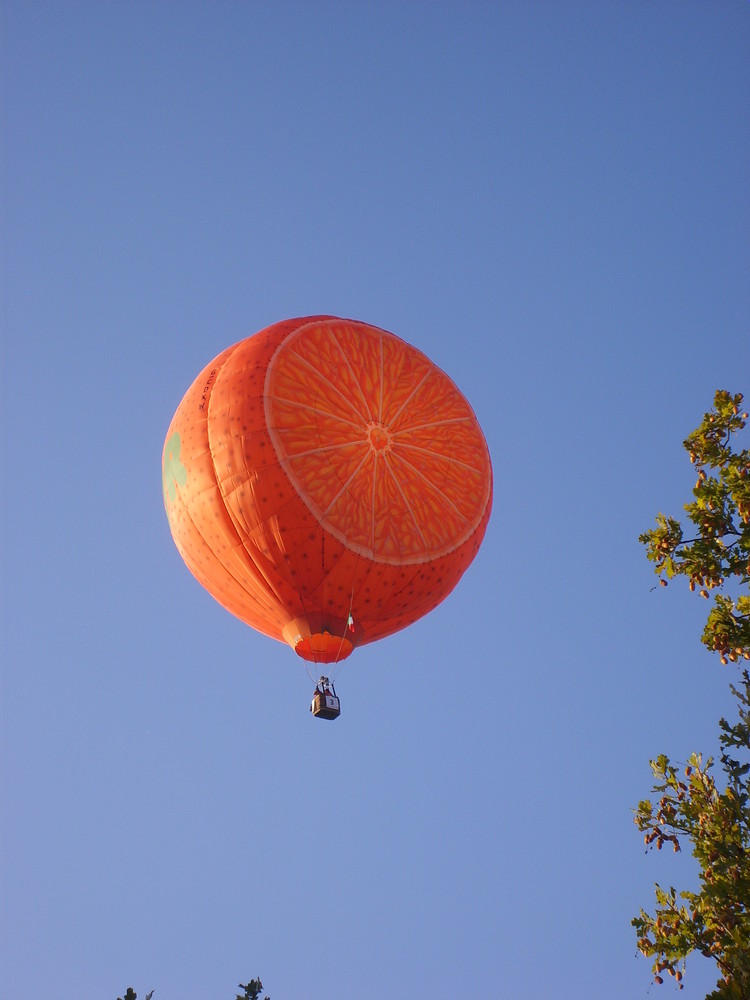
(379, 443)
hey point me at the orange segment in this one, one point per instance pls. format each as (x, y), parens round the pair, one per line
(380, 444)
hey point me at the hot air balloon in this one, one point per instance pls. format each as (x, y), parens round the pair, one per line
(327, 484)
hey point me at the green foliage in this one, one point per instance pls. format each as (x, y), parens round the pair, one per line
(714, 921)
(718, 549)
(689, 806)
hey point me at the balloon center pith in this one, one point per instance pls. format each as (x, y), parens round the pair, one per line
(379, 437)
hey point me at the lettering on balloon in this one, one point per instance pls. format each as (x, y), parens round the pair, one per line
(207, 388)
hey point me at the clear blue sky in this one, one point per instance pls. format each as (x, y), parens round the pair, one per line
(552, 201)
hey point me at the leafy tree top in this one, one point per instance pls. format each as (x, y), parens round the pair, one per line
(716, 552)
(253, 991)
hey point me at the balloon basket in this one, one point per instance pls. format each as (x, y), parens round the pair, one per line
(325, 706)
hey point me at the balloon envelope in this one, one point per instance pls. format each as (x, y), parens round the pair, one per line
(326, 483)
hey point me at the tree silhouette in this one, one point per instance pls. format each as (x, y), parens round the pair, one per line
(252, 991)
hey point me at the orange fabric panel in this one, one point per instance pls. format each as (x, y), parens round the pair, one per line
(322, 475)
(200, 524)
